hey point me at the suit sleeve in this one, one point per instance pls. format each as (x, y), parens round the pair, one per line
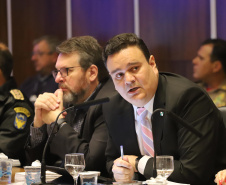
(92, 142)
(195, 159)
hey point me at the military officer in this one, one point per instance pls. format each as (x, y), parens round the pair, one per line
(16, 112)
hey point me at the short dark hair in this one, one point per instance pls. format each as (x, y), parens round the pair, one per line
(90, 53)
(6, 61)
(51, 40)
(218, 52)
(123, 41)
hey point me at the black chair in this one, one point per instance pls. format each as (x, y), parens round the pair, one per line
(223, 113)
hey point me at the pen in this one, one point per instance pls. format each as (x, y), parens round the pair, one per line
(121, 149)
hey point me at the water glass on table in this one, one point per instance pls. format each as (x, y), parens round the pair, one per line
(164, 166)
(32, 174)
(74, 163)
(5, 171)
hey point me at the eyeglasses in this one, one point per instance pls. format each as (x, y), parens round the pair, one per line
(40, 53)
(63, 71)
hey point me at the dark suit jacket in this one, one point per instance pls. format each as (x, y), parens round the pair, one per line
(196, 160)
(16, 115)
(91, 141)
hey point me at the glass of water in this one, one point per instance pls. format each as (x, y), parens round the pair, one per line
(164, 166)
(74, 163)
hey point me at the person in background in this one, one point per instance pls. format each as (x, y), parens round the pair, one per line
(209, 68)
(44, 56)
(82, 76)
(16, 113)
(143, 90)
(221, 177)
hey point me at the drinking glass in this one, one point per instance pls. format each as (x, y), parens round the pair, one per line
(164, 166)
(74, 163)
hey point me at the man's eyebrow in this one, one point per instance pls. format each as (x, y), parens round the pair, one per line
(128, 65)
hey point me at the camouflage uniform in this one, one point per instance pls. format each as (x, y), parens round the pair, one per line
(218, 95)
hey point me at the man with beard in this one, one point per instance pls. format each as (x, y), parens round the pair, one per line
(82, 77)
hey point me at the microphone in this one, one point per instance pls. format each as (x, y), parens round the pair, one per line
(78, 106)
(177, 119)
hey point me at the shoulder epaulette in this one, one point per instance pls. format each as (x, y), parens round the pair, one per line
(17, 94)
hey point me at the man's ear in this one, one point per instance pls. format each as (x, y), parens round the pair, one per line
(217, 66)
(92, 72)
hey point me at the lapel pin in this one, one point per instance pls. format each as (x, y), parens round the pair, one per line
(161, 113)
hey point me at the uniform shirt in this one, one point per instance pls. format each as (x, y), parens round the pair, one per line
(16, 115)
(217, 95)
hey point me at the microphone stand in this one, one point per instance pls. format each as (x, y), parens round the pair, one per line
(78, 106)
(177, 119)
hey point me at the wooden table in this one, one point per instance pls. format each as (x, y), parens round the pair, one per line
(15, 170)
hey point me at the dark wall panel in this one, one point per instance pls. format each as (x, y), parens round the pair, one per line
(102, 19)
(3, 22)
(32, 19)
(173, 31)
(221, 17)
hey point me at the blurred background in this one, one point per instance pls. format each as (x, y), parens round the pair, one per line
(172, 29)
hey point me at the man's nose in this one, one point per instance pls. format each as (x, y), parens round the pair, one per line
(194, 61)
(129, 78)
(58, 78)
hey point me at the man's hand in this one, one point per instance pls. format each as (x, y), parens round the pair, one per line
(123, 170)
(47, 107)
(132, 161)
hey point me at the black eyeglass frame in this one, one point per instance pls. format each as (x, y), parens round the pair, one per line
(63, 72)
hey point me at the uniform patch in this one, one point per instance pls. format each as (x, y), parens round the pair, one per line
(21, 117)
(17, 94)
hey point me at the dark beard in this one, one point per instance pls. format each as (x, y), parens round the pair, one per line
(73, 98)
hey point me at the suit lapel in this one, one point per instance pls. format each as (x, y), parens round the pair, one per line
(125, 121)
(158, 118)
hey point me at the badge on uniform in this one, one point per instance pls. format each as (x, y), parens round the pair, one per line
(21, 117)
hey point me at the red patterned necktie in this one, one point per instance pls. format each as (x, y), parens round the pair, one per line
(147, 136)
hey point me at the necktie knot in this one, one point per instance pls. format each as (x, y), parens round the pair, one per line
(140, 110)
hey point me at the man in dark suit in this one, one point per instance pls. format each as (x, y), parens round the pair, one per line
(136, 78)
(82, 77)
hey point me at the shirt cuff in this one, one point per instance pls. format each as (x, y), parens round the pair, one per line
(142, 163)
(36, 135)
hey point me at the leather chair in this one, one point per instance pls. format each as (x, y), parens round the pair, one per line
(223, 113)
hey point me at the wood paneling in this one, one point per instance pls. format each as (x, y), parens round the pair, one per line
(32, 19)
(221, 17)
(3, 22)
(102, 19)
(173, 31)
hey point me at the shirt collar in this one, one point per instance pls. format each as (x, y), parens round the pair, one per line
(148, 106)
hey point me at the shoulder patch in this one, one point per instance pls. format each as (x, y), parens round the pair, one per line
(17, 94)
(21, 117)
(22, 110)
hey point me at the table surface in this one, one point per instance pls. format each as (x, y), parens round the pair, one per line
(15, 170)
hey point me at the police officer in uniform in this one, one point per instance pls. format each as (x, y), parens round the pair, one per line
(16, 112)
